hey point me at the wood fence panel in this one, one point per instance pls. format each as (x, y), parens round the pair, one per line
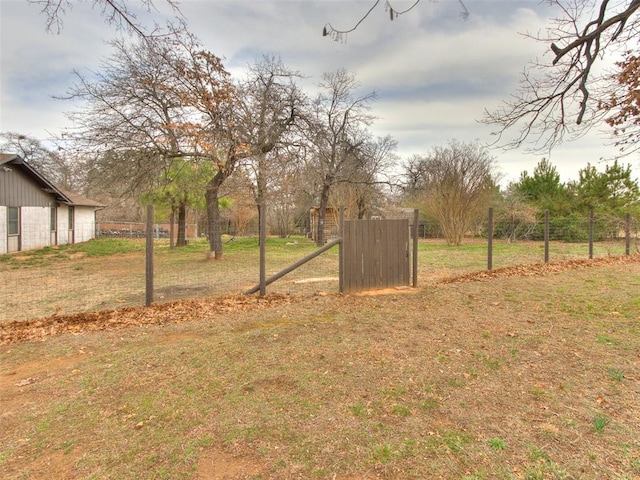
(376, 254)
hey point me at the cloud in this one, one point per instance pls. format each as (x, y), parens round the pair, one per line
(434, 72)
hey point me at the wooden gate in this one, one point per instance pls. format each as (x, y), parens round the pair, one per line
(375, 254)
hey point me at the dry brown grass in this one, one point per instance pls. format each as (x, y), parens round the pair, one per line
(502, 377)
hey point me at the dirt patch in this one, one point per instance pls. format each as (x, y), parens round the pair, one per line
(218, 465)
(386, 291)
(16, 382)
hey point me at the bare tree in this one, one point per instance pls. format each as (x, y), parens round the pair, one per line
(341, 34)
(374, 163)
(115, 12)
(158, 101)
(270, 102)
(361, 189)
(131, 109)
(515, 217)
(288, 187)
(454, 184)
(58, 166)
(337, 133)
(562, 98)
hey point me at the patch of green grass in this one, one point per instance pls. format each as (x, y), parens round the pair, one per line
(473, 373)
(607, 340)
(543, 467)
(67, 446)
(395, 392)
(456, 382)
(358, 409)
(48, 256)
(4, 456)
(615, 374)
(101, 247)
(274, 244)
(430, 403)
(599, 423)
(492, 363)
(497, 444)
(455, 440)
(401, 410)
(382, 453)
(539, 393)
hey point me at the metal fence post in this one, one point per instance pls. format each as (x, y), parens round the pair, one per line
(341, 253)
(149, 258)
(416, 216)
(591, 228)
(490, 240)
(546, 236)
(627, 235)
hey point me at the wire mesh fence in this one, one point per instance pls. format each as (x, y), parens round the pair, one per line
(109, 272)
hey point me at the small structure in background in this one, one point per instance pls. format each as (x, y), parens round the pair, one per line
(331, 223)
(34, 213)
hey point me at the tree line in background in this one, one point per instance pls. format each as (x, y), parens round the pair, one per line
(164, 122)
(610, 195)
(454, 186)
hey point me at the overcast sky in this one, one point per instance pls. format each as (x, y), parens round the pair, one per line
(434, 71)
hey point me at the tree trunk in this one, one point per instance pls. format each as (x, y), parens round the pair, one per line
(214, 220)
(182, 225)
(362, 207)
(261, 188)
(322, 213)
(171, 228)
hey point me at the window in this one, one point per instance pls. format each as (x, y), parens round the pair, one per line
(54, 218)
(13, 220)
(71, 211)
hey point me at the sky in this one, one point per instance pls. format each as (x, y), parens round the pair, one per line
(434, 71)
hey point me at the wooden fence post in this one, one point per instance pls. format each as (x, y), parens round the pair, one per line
(149, 258)
(262, 213)
(490, 240)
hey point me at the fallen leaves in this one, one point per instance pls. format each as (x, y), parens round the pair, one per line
(538, 269)
(157, 314)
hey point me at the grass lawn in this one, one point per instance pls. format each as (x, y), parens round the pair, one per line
(509, 377)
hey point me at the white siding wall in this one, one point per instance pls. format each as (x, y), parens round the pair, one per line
(3, 230)
(85, 228)
(35, 223)
(63, 225)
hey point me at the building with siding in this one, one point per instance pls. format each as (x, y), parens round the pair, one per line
(34, 213)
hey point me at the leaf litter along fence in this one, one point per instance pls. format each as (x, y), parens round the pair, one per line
(70, 280)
